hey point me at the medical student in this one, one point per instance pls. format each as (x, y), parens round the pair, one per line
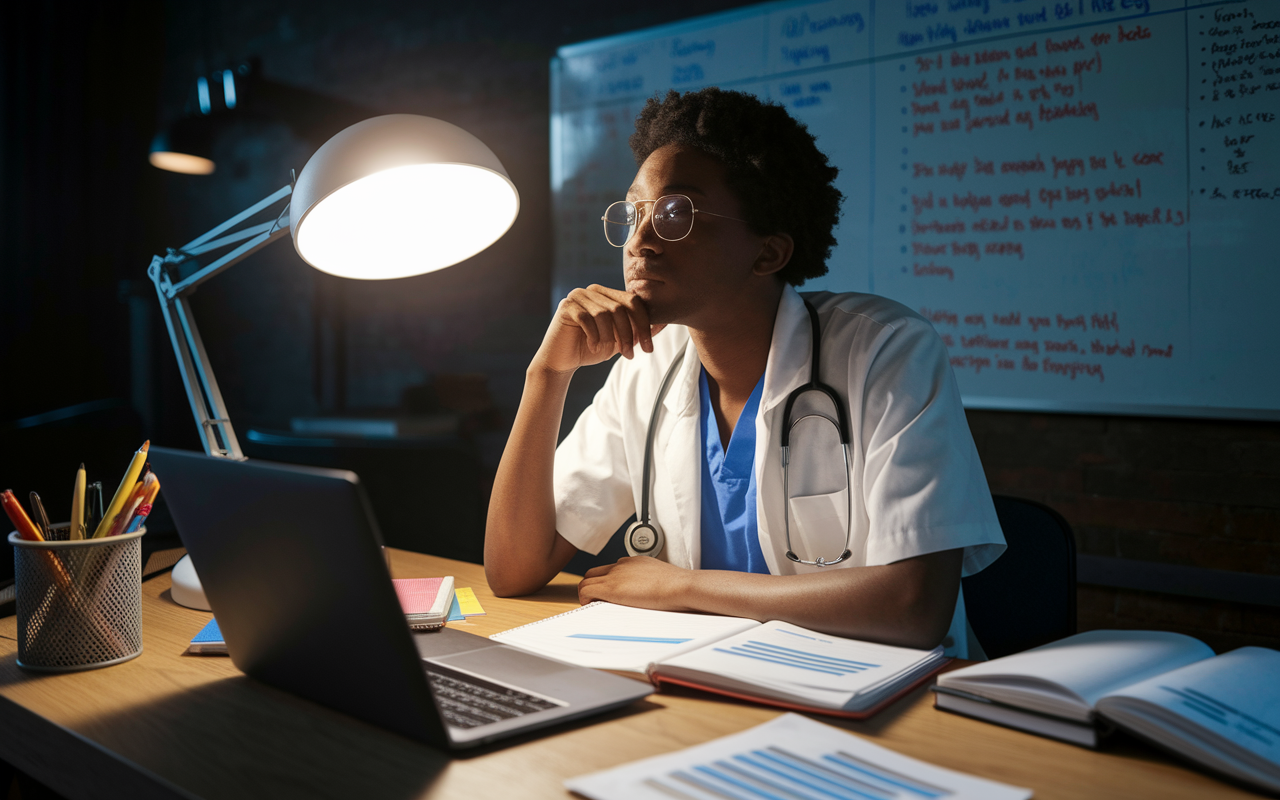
(734, 205)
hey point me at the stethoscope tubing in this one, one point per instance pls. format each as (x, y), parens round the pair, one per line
(814, 385)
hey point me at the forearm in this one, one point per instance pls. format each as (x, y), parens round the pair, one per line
(907, 603)
(522, 550)
(871, 607)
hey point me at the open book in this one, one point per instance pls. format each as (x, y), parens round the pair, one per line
(1221, 711)
(773, 662)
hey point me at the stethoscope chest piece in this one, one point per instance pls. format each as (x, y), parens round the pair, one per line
(644, 539)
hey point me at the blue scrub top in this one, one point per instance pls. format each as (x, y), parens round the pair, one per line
(730, 538)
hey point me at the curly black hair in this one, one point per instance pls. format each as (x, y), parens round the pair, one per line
(782, 179)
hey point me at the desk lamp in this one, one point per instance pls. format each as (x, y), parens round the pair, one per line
(389, 197)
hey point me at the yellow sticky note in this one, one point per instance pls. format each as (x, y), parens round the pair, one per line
(467, 603)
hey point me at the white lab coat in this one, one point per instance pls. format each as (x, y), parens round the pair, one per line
(916, 483)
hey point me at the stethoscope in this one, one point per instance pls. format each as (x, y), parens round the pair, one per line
(644, 537)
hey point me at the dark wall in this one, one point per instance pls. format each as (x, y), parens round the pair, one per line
(81, 211)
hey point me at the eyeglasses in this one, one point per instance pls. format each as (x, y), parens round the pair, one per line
(672, 218)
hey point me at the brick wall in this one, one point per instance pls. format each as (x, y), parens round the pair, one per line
(1201, 493)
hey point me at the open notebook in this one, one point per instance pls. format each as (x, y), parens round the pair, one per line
(773, 662)
(1221, 711)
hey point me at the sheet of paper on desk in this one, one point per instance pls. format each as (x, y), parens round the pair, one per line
(608, 636)
(790, 757)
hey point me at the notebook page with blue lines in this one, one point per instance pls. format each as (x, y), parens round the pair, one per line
(608, 636)
(788, 758)
(797, 664)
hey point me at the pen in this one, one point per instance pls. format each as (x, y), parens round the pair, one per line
(92, 501)
(25, 527)
(77, 506)
(125, 489)
(42, 519)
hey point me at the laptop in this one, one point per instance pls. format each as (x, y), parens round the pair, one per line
(290, 559)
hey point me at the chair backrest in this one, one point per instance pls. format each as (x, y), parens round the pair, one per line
(1028, 596)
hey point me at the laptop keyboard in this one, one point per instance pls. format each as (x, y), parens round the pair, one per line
(467, 702)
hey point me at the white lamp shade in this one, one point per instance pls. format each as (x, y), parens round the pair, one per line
(399, 195)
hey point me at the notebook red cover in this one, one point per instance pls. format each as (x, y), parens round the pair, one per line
(658, 680)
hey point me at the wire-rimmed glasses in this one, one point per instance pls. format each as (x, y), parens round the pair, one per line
(672, 218)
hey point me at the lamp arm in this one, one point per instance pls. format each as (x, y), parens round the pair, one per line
(210, 412)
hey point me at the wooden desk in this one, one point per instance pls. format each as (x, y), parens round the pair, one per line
(167, 725)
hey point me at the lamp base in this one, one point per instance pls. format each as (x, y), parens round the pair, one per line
(187, 590)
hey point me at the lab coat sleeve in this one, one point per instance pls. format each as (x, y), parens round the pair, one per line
(923, 483)
(591, 479)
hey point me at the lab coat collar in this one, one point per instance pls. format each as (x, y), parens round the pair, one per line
(682, 397)
(789, 351)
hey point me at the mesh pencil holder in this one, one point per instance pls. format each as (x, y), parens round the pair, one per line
(79, 603)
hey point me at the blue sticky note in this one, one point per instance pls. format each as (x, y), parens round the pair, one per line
(455, 613)
(209, 634)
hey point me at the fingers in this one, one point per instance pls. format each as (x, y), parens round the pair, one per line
(611, 319)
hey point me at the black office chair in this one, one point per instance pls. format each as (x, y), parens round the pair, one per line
(1028, 596)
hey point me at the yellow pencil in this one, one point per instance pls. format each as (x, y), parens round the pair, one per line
(77, 506)
(126, 489)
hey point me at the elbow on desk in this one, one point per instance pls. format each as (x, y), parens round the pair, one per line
(503, 583)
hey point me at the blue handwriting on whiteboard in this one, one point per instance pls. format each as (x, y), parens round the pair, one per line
(687, 73)
(681, 49)
(799, 26)
(799, 55)
(625, 86)
(976, 26)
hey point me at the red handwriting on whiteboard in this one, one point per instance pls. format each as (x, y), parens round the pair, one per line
(991, 225)
(1136, 33)
(1037, 323)
(984, 341)
(940, 316)
(1073, 368)
(924, 88)
(937, 227)
(921, 249)
(1118, 190)
(1003, 249)
(1141, 219)
(1022, 167)
(1068, 165)
(971, 201)
(1023, 199)
(1105, 322)
(1067, 323)
(931, 268)
(1098, 347)
(1157, 352)
(978, 363)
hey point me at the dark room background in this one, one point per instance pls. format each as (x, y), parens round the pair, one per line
(1170, 511)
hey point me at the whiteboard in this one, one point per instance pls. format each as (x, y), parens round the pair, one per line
(1082, 196)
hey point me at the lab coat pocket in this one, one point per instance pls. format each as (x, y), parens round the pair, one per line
(818, 525)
